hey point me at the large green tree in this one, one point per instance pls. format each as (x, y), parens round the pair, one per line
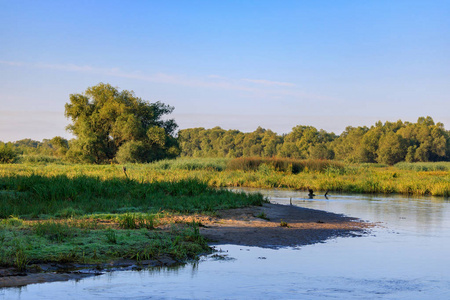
(111, 124)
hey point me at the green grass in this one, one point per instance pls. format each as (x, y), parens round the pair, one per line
(424, 166)
(212, 164)
(90, 214)
(65, 242)
(36, 195)
(286, 165)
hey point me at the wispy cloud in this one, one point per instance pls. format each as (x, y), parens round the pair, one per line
(253, 87)
(11, 63)
(269, 83)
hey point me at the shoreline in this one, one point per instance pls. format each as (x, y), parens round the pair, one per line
(302, 226)
(242, 226)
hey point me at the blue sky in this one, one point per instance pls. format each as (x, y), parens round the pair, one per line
(234, 64)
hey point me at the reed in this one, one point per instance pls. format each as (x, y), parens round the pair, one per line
(287, 165)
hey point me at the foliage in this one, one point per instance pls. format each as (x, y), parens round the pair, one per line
(7, 153)
(421, 166)
(108, 122)
(98, 188)
(64, 242)
(217, 164)
(287, 165)
(388, 143)
(39, 159)
(35, 195)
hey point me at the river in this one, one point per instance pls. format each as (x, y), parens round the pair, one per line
(406, 256)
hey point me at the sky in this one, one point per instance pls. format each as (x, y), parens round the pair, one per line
(234, 64)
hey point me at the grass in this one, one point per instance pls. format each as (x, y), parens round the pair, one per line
(65, 242)
(211, 164)
(284, 224)
(263, 216)
(286, 165)
(92, 214)
(424, 166)
(33, 196)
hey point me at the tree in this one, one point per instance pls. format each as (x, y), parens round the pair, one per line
(7, 153)
(392, 149)
(60, 145)
(105, 119)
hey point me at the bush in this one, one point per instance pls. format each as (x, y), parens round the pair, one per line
(8, 155)
(132, 152)
(40, 159)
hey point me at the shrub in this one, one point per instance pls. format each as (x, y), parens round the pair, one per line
(8, 154)
(132, 152)
(40, 159)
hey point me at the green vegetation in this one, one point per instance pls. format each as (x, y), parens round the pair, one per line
(439, 166)
(88, 241)
(263, 216)
(7, 153)
(387, 143)
(284, 224)
(34, 195)
(93, 214)
(286, 165)
(117, 125)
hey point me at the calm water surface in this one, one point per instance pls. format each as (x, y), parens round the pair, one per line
(405, 257)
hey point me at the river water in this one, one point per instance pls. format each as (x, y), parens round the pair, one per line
(405, 257)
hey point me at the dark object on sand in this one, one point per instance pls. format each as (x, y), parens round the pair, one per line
(311, 193)
(326, 194)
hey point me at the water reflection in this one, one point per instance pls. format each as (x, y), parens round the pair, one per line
(422, 214)
(405, 258)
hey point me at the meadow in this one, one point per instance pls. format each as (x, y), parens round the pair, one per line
(96, 214)
(58, 212)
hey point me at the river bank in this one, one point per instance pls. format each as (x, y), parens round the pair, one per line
(268, 226)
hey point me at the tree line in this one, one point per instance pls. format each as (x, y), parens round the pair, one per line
(116, 126)
(386, 143)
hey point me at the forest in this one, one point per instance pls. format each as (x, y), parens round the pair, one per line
(387, 143)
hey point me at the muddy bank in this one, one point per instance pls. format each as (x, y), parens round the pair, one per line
(41, 273)
(252, 226)
(302, 226)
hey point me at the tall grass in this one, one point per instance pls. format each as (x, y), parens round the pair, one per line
(287, 165)
(213, 164)
(36, 195)
(424, 166)
(363, 178)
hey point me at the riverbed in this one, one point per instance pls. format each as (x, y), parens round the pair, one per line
(404, 257)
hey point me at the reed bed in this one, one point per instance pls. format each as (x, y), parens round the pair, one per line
(286, 165)
(33, 195)
(364, 178)
(424, 166)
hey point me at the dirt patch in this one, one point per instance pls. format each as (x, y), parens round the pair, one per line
(283, 226)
